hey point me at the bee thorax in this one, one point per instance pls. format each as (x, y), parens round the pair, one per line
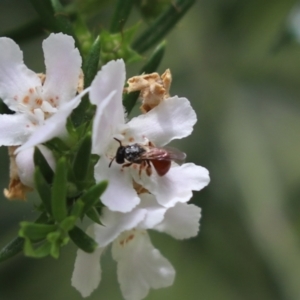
(133, 152)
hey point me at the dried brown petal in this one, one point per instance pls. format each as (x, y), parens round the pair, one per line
(16, 189)
(153, 88)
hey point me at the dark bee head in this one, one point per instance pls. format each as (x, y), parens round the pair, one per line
(120, 155)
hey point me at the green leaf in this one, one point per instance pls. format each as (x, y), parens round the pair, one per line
(121, 14)
(71, 129)
(54, 238)
(34, 231)
(77, 208)
(59, 191)
(150, 9)
(12, 248)
(39, 252)
(55, 250)
(58, 145)
(16, 245)
(91, 63)
(82, 240)
(43, 189)
(162, 25)
(118, 45)
(68, 223)
(41, 162)
(82, 158)
(92, 196)
(93, 215)
(151, 66)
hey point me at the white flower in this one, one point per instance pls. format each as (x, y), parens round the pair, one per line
(172, 119)
(41, 103)
(139, 265)
(36, 102)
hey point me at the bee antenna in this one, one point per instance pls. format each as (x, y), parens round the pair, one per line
(118, 141)
(111, 162)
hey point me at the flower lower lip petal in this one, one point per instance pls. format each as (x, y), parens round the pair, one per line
(119, 195)
(146, 266)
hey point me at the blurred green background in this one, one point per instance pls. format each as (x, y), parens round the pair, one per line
(246, 92)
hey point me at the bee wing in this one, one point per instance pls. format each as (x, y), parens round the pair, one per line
(176, 154)
(167, 154)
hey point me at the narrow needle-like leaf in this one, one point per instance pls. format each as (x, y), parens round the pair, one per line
(59, 191)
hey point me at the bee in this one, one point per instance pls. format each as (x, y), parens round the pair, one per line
(160, 158)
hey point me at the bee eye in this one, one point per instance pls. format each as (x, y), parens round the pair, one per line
(120, 159)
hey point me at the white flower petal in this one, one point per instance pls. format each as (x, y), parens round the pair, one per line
(115, 223)
(87, 271)
(155, 212)
(106, 93)
(103, 129)
(63, 63)
(15, 78)
(140, 265)
(14, 129)
(54, 126)
(181, 221)
(175, 186)
(25, 163)
(119, 195)
(172, 119)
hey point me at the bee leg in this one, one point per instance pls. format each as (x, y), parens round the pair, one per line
(148, 168)
(127, 165)
(142, 165)
(150, 144)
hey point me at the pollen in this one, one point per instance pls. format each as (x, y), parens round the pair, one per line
(26, 99)
(131, 237)
(39, 101)
(131, 139)
(16, 98)
(125, 241)
(31, 90)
